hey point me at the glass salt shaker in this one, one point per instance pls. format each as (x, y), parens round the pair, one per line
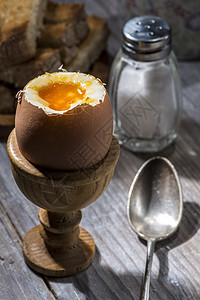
(144, 86)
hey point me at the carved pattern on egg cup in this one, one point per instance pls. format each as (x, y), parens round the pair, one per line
(59, 246)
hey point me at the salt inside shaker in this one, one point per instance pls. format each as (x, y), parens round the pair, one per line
(144, 86)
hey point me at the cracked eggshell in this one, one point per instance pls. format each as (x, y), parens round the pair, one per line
(74, 139)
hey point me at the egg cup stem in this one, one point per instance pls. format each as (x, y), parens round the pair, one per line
(59, 246)
(59, 230)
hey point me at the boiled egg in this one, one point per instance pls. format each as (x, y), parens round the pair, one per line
(64, 121)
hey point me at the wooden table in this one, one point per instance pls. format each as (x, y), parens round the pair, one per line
(118, 267)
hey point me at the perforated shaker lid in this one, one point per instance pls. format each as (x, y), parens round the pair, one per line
(147, 38)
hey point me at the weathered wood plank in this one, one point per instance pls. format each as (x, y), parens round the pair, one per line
(16, 280)
(116, 272)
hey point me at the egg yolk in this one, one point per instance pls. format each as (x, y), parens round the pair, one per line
(60, 96)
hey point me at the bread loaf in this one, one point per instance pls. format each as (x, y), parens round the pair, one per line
(57, 35)
(92, 47)
(20, 22)
(62, 37)
(65, 27)
(68, 54)
(46, 60)
(7, 100)
(73, 13)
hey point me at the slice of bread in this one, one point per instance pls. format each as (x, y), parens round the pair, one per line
(73, 13)
(64, 12)
(60, 36)
(6, 121)
(20, 22)
(57, 35)
(92, 47)
(46, 60)
(100, 69)
(67, 54)
(65, 27)
(7, 100)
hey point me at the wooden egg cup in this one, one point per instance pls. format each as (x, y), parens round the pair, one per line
(59, 246)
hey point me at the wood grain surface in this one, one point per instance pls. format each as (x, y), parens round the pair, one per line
(118, 266)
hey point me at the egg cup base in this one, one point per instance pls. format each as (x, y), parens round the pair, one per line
(58, 262)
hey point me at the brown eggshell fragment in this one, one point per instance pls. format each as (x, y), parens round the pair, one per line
(77, 139)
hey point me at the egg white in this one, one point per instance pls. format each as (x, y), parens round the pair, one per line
(94, 89)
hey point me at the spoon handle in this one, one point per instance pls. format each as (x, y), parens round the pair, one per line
(147, 275)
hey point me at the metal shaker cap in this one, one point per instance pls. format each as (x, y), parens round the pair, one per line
(147, 38)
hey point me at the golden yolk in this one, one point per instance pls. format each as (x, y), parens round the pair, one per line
(60, 96)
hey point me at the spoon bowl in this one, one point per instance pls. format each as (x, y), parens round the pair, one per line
(155, 206)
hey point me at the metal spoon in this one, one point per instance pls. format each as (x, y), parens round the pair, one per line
(155, 207)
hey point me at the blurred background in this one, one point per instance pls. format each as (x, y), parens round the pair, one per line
(182, 15)
(95, 37)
